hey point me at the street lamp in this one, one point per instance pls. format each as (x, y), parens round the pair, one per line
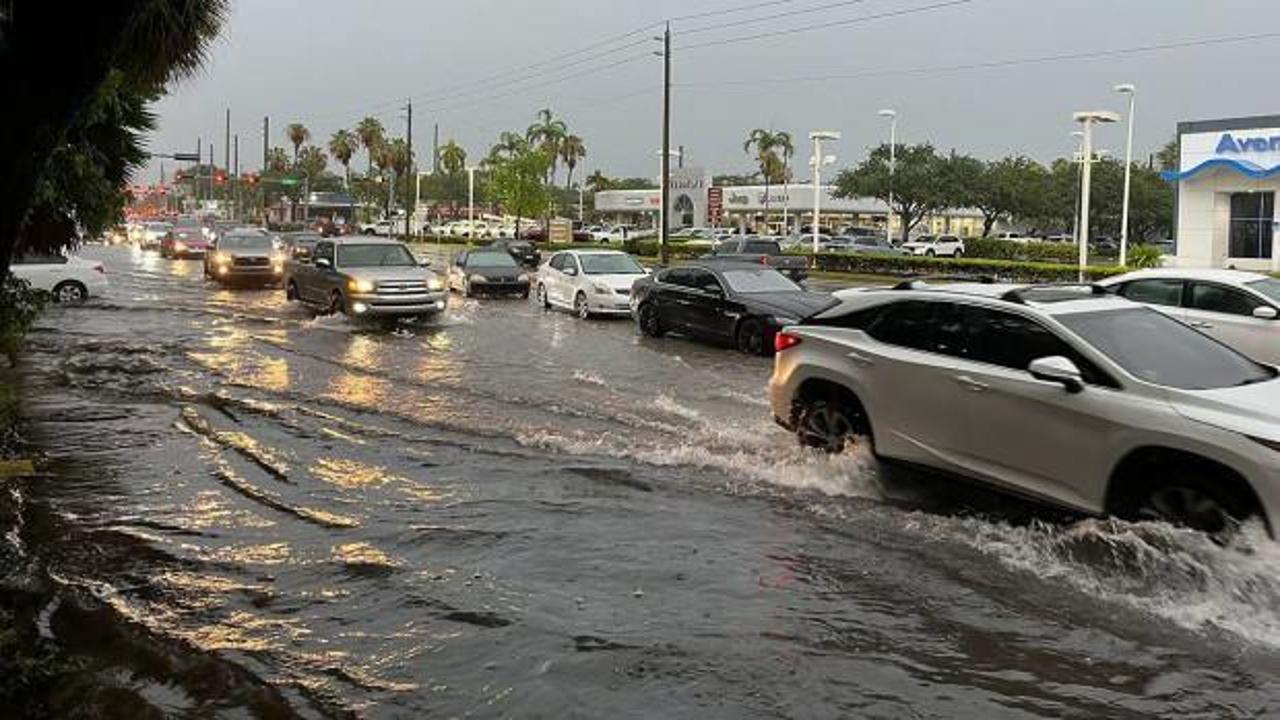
(1132, 91)
(1088, 119)
(893, 165)
(471, 199)
(817, 161)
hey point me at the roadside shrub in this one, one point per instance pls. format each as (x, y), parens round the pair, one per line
(1145, 256)
(1005, 270)
(19, 305)
(992, 249)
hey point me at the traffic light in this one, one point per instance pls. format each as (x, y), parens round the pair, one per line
(252, 179)
(220, 177)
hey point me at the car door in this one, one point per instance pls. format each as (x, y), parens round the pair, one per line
(703, 306)
(570, 279)
(1163, 294)
(550, 275)
(1226, 314)
(1022, 432)
(321, 281)
(670, 294)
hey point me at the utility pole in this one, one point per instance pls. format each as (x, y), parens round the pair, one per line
(209, 194)
(235, 178)
(666, 145)
(435, 151)
(266, 140)
(680, 160)
(199, 161)
(226, 152)
(408, 215)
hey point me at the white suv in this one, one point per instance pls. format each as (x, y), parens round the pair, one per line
(1064, 394)
(935, 245)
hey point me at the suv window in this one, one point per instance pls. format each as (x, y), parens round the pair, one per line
(907, 324)
(39, 259)
(1217, 298)
(763, 247)
(324, 250)
(856, 320)
(677, 276)
(728, 247)
(1153, 292)
(1013, 341)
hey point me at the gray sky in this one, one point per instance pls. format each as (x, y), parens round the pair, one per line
(327, 63)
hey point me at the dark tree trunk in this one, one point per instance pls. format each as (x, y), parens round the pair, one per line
(52, 60)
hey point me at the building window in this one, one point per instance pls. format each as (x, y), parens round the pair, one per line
(1251, 218)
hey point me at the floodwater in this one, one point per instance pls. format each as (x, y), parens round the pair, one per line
(512, 513)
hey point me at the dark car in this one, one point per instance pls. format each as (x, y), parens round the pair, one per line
(522, 250)
(301, 245)
(736, 302)
(486, 271)
(872, 245)
(245, 256)
(762, 251)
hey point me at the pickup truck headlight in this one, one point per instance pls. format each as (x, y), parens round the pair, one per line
(479, 279)
(221, 258)
(435, 283)
(361, 286)
(524, 277)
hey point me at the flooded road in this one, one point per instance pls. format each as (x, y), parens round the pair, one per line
(512, 513)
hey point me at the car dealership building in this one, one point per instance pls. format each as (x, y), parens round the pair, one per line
(1228, 175)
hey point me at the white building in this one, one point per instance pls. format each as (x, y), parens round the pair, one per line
(1228, 175)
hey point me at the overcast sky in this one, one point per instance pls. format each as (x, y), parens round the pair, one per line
(327, 63)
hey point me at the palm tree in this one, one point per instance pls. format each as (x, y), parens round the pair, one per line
(277, 161)
(453, 158)
(509, 145)
(343, 145)
(767, 145)
(311, 161)
(547, 134)
(297, 134)
(372, 135)
(572, 149)
(598, 181)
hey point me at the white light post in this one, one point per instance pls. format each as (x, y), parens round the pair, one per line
(579, 202)
(893, 166)
(1132, 91)
(471, 199)
(817, 161)
(1088, 119)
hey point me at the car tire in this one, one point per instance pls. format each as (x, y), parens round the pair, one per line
(543, 301)
(957, 254)
(580, 306)
(1188, 498)
(291, 291)
(337, 304)
(750, 337)
(831, 425)
(930, 253)
(70, 292)
(650, 321)
(370, 232)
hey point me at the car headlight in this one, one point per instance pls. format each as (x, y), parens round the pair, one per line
(602, 289)
(478, 279)
(524, 277)
(435, 283)
(360, 286)
(221, 258)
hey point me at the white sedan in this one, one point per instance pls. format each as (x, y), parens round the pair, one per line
(70, 280)
(589, 282)
(1240, 309)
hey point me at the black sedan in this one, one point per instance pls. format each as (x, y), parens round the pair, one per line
(725, 302)
(486, 271)
(522, 250)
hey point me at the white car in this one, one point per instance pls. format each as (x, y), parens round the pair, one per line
(382, 228)
(589, 282)
(935, 246)
(152, 235)
(1064, 394)
(69, 280)
(1013, 237)
(1241, 309)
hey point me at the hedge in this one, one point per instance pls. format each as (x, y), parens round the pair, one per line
(1010, 270)
(993, 249)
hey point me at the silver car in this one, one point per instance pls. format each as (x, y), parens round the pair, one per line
(1068, 395)
(1242, 309)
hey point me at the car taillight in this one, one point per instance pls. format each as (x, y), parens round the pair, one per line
(784, 340)
(764, 259)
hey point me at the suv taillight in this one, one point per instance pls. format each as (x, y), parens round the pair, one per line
(783, 340)
(764, 259)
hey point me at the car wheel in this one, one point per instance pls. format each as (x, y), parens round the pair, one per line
(70, 292)
(930, 253)
(1188, 500)
(543, 300)
(830, 426)
(750, 337)
(336, 303)
(958, 254)
(580, 306)
(370, 232)
(650, 321)
(291, 291)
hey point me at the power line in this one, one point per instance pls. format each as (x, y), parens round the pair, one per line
(1088, 55)
(731, 11)
(774, 16)
(827, 25)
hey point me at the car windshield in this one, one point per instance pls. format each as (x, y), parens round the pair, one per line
(764, 247)
(354, 256)
(610, 264)
(245, 242)
(1267, 286)
(490, 260)
(1163, 351)
(762, 280)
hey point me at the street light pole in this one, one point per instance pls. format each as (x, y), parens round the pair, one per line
(1088, 119)
(893, 166)
(666, 145)
(1130, 90)
(471, 199)
(817, 136)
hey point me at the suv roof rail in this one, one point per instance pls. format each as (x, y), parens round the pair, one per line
(912, 283)
(1017, 295)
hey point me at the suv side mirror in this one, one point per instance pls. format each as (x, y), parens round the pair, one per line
(424, 262)
(570, 271)
(1265, 312)
(323, 263)
(1057, 369)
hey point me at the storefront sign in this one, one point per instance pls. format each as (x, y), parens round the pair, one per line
(1230, 144)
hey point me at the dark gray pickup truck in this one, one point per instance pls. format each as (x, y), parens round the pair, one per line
(765, 252)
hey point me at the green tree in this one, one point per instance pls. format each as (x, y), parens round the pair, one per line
(1168, 154)
(572, 151)
(547, 134)
(518, 183)
(311, 162)
(921, 182)
(371, 135)
(773, 151)
(277, 161)
(297, 134)
(453, 158)
(343, 145)
(509, 145)
(54, 63)
(1006, 189)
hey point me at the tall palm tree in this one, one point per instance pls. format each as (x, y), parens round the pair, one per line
(598, 181)
(372, 135)
(453, 158)
(509, 145)
(547, 134)
(768, 145)
(572, 149)
(297, 134)
(343, 145)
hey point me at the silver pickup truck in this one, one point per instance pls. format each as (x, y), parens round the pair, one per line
(364, 277)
